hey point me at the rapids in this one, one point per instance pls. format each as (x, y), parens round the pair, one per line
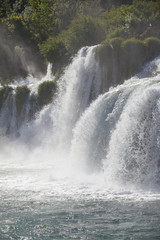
(114, 135)
(88, 165)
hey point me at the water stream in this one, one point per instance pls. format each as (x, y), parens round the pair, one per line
(88, 165)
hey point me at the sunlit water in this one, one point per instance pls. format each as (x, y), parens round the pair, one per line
(64, 209)
(81, 170)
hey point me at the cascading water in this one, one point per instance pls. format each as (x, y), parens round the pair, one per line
(8, 116)
(10, 120)
(79, 85)
(86, 161)
(120, 133)
(117, 135)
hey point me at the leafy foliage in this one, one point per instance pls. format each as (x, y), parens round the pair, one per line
(83, 31)
(46, 92)
(4, 8)
(58, 28)
(53, 49)
(134, 18)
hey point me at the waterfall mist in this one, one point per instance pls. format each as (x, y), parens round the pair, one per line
(110, 140)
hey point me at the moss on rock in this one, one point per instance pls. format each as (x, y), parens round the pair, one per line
(122, 58)
(153, 47)
(46, 92)
(4, 92)
(22, 93)
(133, 57)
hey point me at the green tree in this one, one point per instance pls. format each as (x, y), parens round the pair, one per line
(42, 21)
(4, 8)
(83, 31)
(22, 93)
(46, 91)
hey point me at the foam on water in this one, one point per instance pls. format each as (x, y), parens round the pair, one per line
(108, 148)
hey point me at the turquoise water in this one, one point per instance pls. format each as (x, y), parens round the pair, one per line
(80, 171)
(58, 209)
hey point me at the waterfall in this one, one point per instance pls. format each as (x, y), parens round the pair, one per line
(8, 117)
(10, 120)
(115, 134)
(79, 85)
(119, 133)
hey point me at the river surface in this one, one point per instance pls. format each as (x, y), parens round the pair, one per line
(65, 209)
(88, 165)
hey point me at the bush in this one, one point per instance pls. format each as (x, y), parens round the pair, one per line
(22, 93)
(133, 45)
(116, 18)
(119, 32)
(131, 20)
(104, 52)
(46, 92)
(109, 56)
(122, 59)
(108, 49)
(83, 31)
(53, 50)
(116, 44)
(153, 47)
(4, 92)
(133, 57)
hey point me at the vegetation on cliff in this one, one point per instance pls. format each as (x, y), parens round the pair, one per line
(4, 92)
(53, 31)
(35, 32)
(122, 58)
(46, 92)
(22, 93)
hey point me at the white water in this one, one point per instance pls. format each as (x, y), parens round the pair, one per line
(10, 124)
(77, 88)
(73, 147)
